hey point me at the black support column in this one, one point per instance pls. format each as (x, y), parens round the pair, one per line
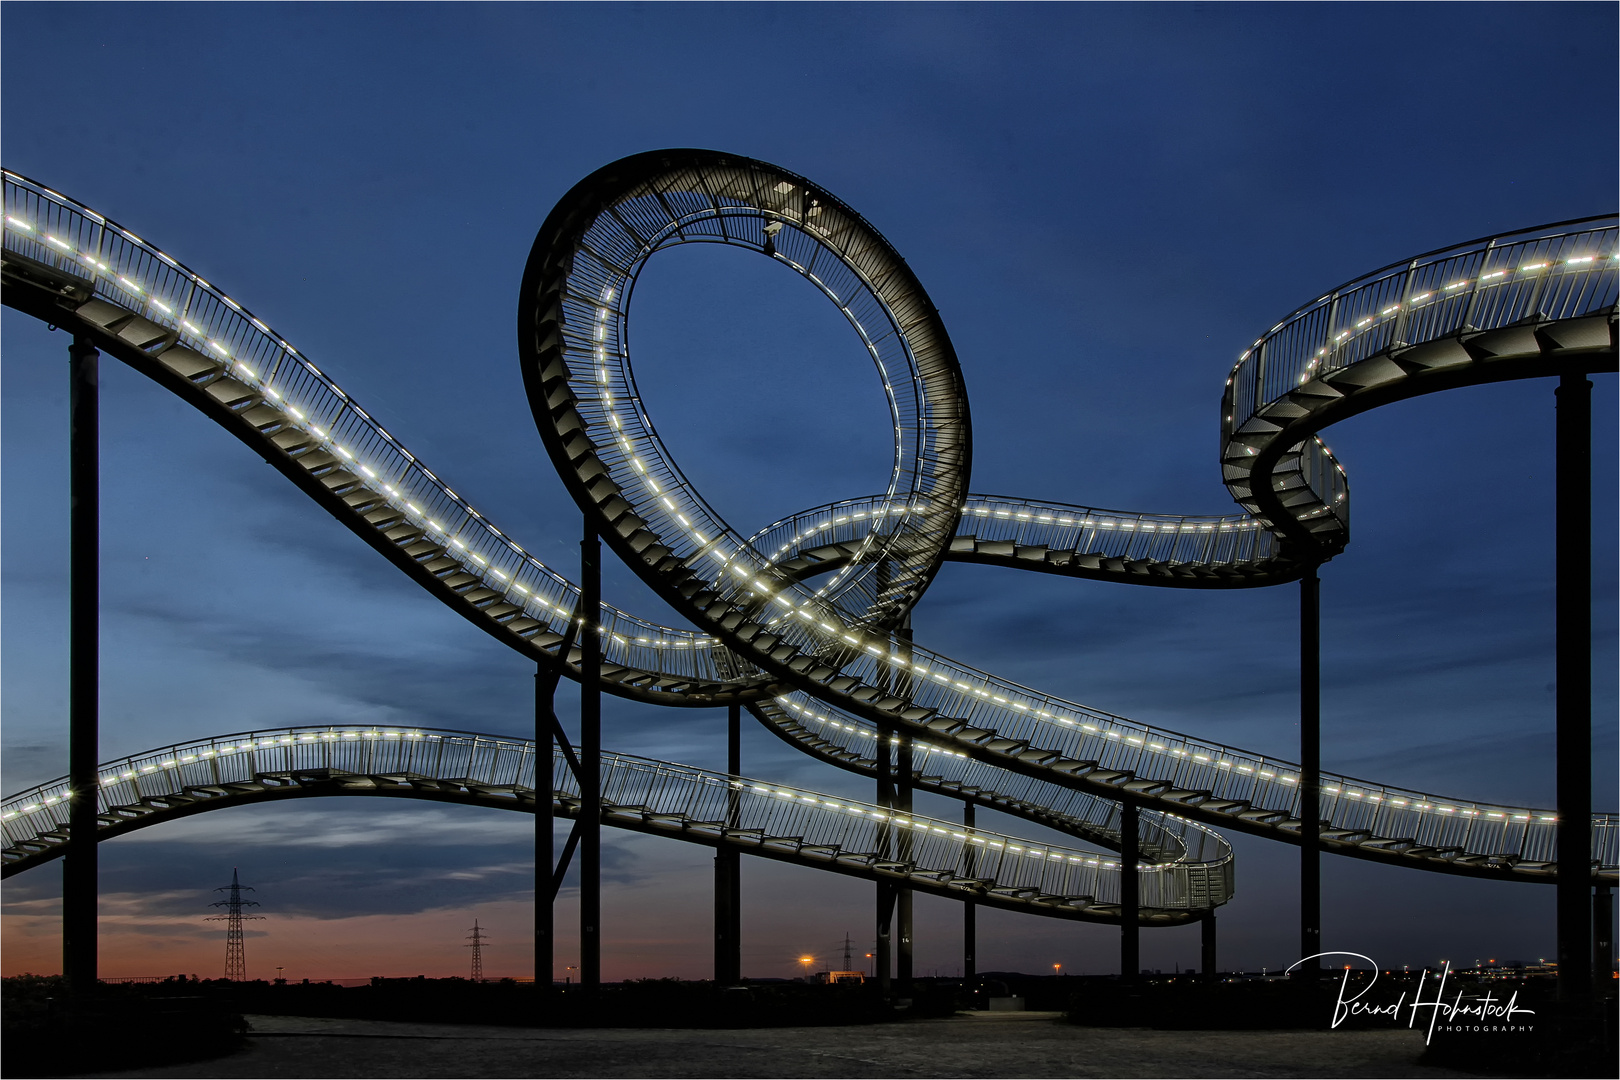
(970, 911)
(79, 866)
(1130, 898)
(728, 870)
(1310, 774)
(545, 854)
(1603, 940)
(1574, 686)
(883, 960)
(1208, 958)
(903, 895)
(590, 781)
(904, 769)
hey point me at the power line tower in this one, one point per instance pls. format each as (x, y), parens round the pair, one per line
(235, 955)
(477, 938)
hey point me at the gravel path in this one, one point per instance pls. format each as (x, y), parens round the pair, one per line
(978, 1045)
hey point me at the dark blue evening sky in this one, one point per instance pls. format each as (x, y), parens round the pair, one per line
(1107, 203)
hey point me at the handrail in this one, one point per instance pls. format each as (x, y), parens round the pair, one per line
(1237, 544)
(180, 310)
(146, 783)
(1551, 272)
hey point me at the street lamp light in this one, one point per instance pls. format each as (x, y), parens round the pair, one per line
(807, 961)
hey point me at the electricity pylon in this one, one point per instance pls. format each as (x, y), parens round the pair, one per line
(235, 955)
(477, 938)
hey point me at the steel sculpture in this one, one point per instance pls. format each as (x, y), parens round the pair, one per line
(801, 622)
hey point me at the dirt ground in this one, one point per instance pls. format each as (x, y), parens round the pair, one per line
(969, 1045)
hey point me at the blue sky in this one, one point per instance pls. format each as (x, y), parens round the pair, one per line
(1107, 204)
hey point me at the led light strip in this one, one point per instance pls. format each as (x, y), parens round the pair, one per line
(197, 338)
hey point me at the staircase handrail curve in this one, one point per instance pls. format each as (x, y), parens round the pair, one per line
(1084, 815)
(1015, 716)
(122, 779)
(133, 273)
(1235, 542)
(1346, 803)
(630, 784)
(1560, 270)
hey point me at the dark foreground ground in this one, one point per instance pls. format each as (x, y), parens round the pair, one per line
(979, 1045)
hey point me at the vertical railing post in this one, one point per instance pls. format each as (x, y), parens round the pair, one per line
(1130, 898)
(1474, 293)
(1207, 956)
(1310, 774)
(80, 882)
(728, 869)
(1574, 685)
(1401, 317)
(545, 855)
(970, 910)
(590, 780)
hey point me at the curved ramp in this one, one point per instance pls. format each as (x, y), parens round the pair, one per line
(766, 633)
(767, 820)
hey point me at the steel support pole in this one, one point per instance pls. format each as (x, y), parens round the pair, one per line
(1603, 940)
(1574, 686)
(903, 897)
(970, 911)
(728, 870)
(545, 854)
(590, 781)
(883, 958)
(1207, 956)
(1130, 897)
(79, 864)
(1310, 774)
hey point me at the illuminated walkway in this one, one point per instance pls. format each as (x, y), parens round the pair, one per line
(801, 622)
(766, 820)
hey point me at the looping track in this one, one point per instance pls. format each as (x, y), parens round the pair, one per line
(798, 622)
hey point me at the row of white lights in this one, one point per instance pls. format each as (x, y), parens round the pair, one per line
(249, 745)
(1451, 291)
(513, 591)
(929, 825)
(1412, 804)
(737, 561)
(228, 748)
(809, 610)
(231, 748)
(1105, 523)
(602, 330)
(1064, 521)
(864, 733)
(711, 547)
